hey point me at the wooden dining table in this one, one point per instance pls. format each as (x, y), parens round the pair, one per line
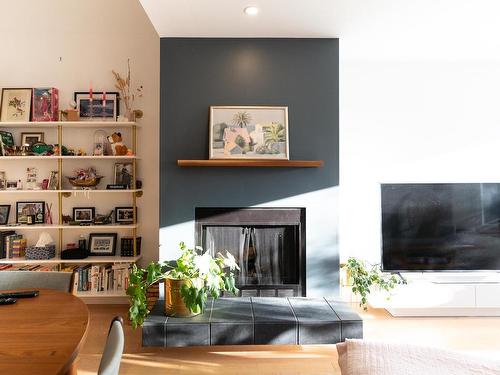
(42, 335)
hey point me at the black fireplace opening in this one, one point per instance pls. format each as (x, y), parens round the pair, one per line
(268, 244)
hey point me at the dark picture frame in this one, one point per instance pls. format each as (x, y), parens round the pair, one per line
(23, 209)
(88, 110)
(4, 214)
(79, 214)
(6, 142)
(30, 138)
(123, 174)
(102, 244)
(125, 215)
(21, 109)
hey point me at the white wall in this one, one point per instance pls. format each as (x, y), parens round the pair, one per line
(68, 43)
(420, 87)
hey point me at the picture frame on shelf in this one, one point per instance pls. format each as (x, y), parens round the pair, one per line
(53, 181)
(249, 132)
(125, 215)
(84, 214)
(102, 106)
(102, 244)
(30, 208)
(15, 105)
(11, 185)
(123, 174)
(4, 214)
(45, 104)
(3, 180)
(29, 139)
(6, 142)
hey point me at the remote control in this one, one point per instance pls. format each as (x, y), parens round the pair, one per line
(7, 301)
(27, 294)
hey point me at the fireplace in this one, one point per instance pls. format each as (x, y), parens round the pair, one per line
(268, 244)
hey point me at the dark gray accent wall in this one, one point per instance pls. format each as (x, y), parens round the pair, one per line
(199, 72)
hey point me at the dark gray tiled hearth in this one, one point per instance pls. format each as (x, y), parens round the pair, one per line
(256, 320)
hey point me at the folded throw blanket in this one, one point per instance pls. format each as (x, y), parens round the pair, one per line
(359, 357)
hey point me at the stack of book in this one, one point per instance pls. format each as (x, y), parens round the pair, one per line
(28, 267)
(4, 234)
(100, 277)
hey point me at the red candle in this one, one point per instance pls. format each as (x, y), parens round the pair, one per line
(104, 98)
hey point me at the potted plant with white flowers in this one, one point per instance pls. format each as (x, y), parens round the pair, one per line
(188, 281)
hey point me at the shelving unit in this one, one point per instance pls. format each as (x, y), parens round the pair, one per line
(62, 128)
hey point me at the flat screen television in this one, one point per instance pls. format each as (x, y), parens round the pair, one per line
(441, 227)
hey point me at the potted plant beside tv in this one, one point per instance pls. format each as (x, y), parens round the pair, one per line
(364, 279)
(188, 281)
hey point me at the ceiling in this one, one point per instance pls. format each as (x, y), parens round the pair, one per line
(373, 29)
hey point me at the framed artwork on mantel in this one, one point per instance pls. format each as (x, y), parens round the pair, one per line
(248, 132)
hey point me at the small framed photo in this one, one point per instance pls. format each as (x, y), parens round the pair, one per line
(11, 185)
(6, 143)
(248, 132)
(53, 181)
(4, 214)
(15, 104)
(102, 243)
(3, 180)
(26, 211)
(103, 106)
(29, 139)
(84, 214)
(123, 174)
(125, 215)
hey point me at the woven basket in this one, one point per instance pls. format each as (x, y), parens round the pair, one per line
(90, 182)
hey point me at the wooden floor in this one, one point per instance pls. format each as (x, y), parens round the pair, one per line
(475, 335)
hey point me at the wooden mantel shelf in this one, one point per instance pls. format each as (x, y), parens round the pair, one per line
(251, 163)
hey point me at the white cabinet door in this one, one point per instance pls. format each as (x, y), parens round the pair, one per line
(488, 295)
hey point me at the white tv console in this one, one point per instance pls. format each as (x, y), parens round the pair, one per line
(446, 294)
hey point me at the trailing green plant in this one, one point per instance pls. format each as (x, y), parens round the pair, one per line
(363, 279)
(217, 275)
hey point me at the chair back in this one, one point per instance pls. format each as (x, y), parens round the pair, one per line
(112, 355)
(36, 280)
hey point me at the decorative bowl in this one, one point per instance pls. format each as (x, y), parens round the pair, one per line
(90, 182)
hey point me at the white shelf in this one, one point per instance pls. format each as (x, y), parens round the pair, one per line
(107, 293)
(69, 124)
(68, 227)
(57, 157)
(70, 191)
(58, 260)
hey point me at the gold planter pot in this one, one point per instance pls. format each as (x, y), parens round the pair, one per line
(174, 304)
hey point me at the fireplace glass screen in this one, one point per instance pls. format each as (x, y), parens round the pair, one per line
(268, 253)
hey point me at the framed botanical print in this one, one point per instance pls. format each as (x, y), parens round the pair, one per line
(15, 104)
(248, 132)
(102, 243)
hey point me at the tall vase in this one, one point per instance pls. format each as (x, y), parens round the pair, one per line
(130, 115)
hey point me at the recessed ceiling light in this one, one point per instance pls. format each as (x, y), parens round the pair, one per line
(251, 11)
